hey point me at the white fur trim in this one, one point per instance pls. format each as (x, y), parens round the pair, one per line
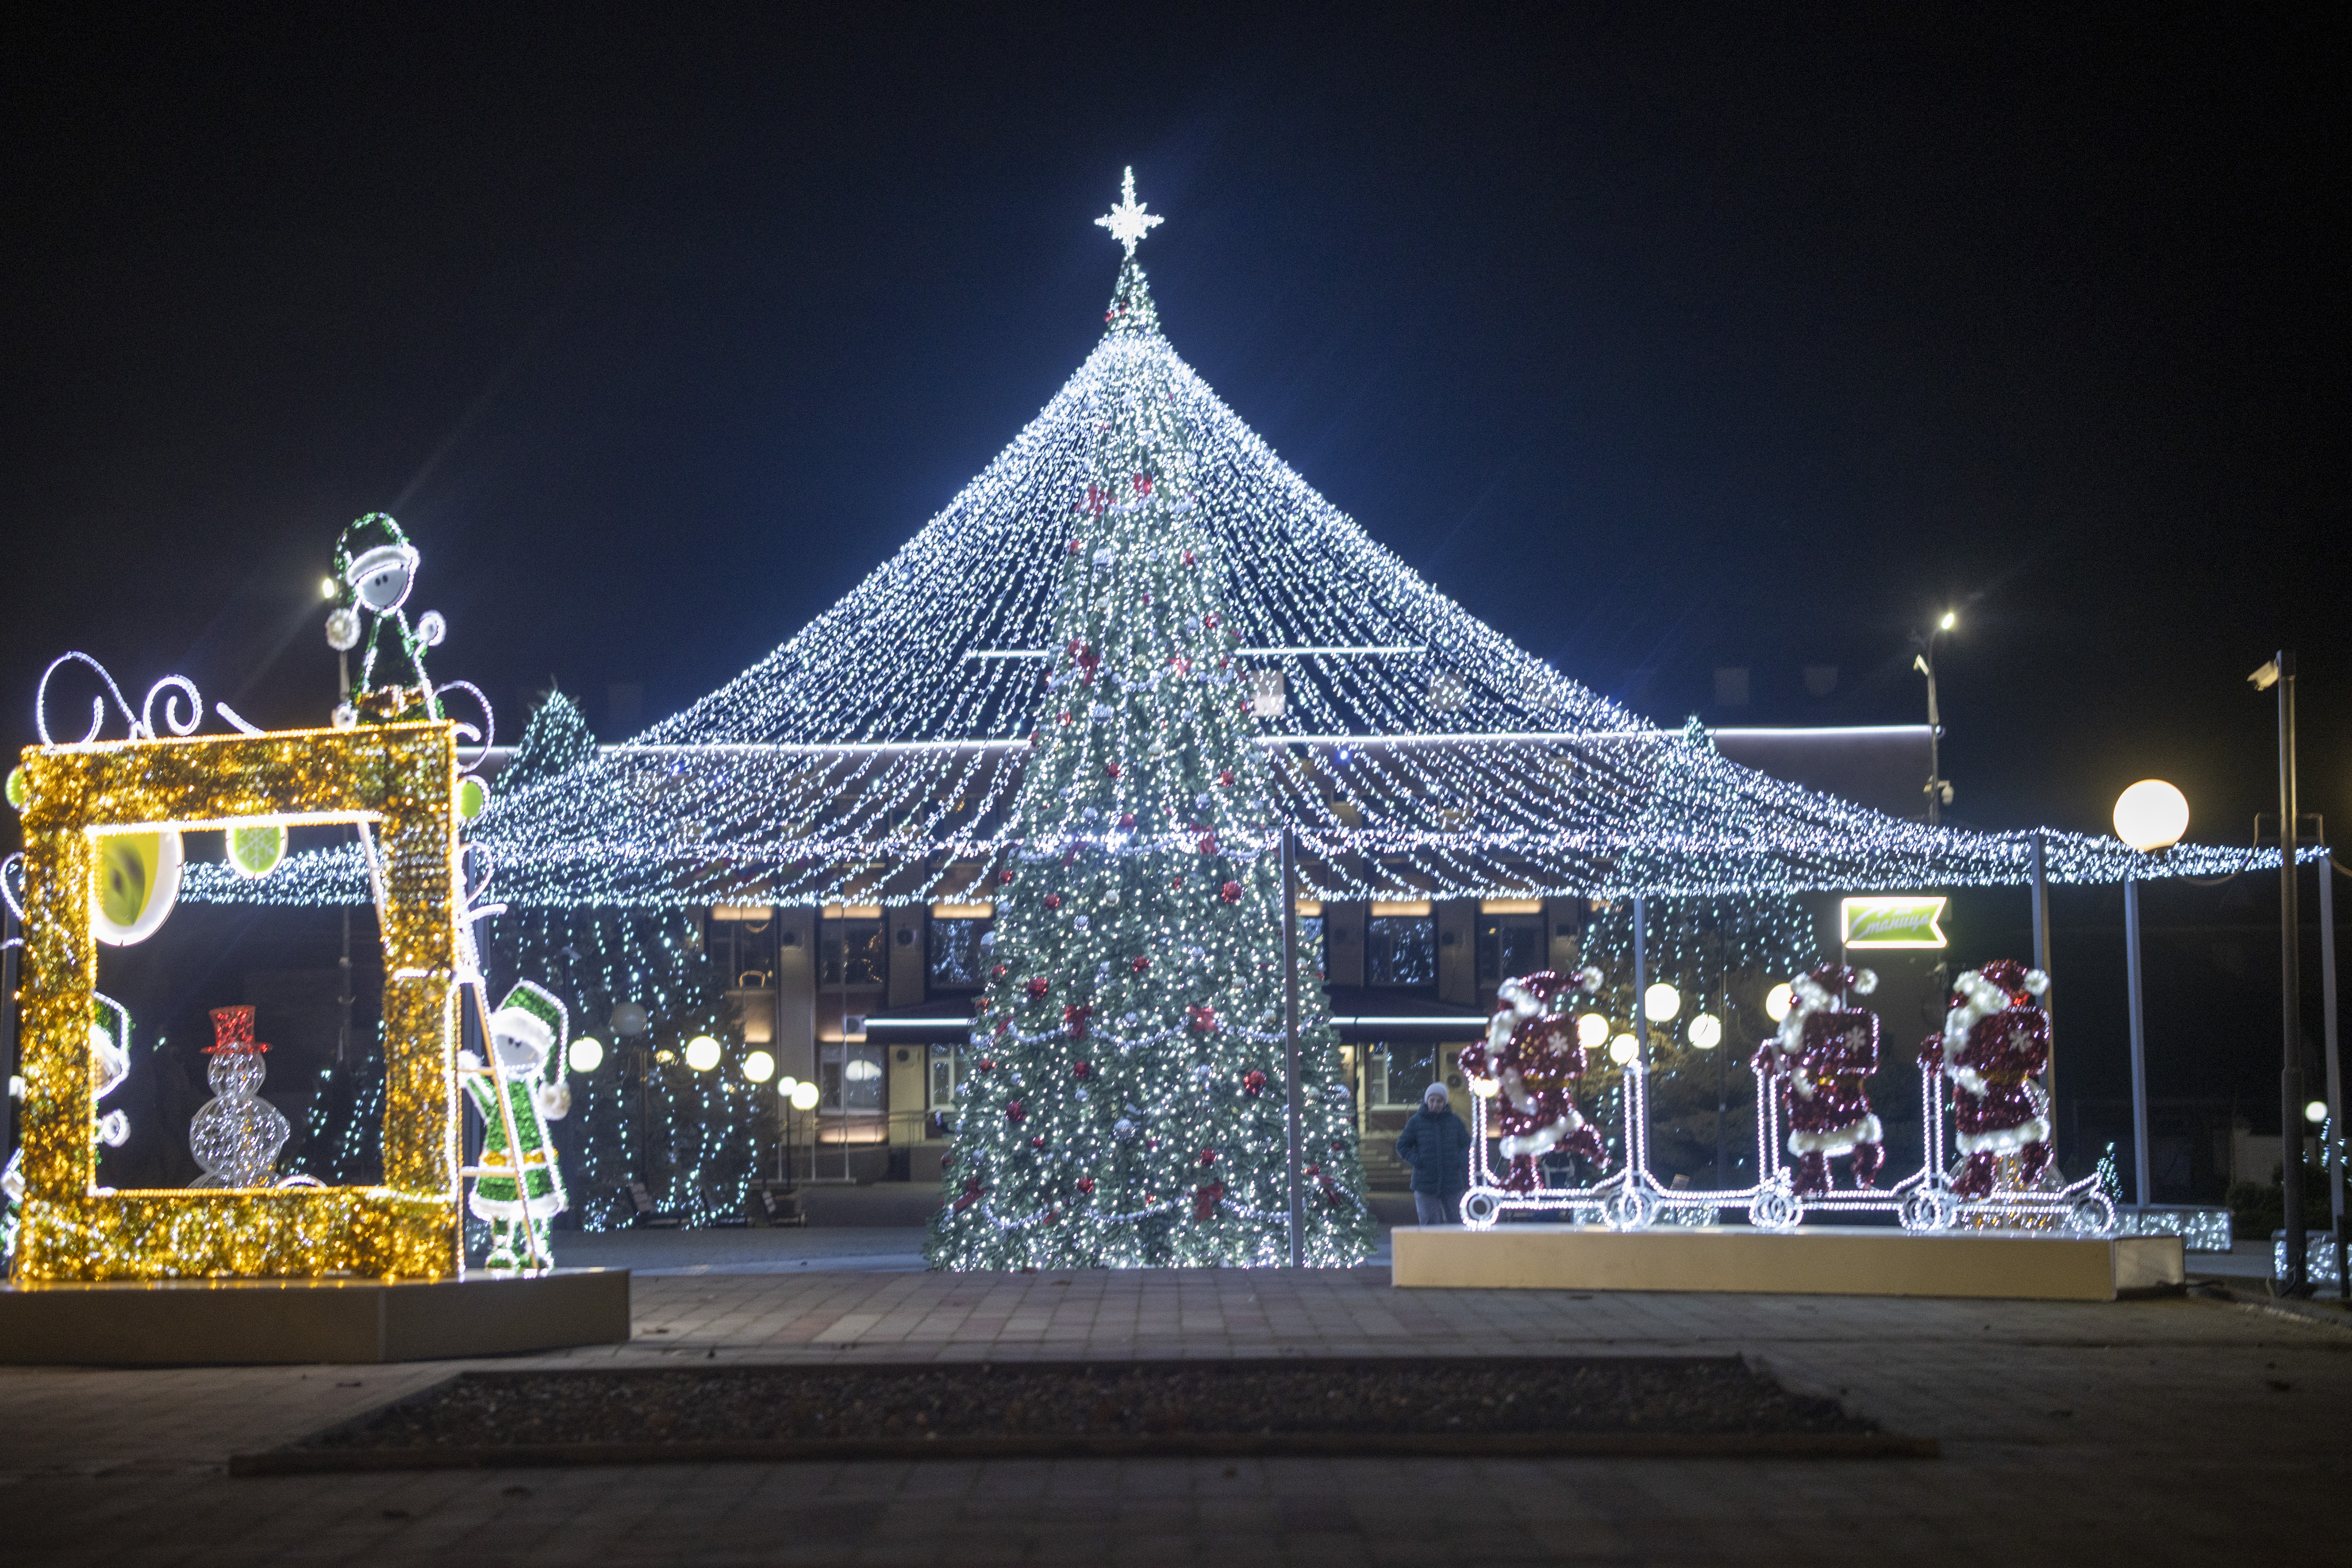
(1866, 981)
(1843, 1141)
(2000, 1140)
(2036, 982)
(1543, 1140)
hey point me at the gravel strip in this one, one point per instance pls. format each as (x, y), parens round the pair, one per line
(1705, 1405)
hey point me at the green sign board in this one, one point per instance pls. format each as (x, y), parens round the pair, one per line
(1892, 921)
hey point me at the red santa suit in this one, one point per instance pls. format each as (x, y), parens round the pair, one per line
(1532, 1057)
(1821, 1060)
(1994, 1047)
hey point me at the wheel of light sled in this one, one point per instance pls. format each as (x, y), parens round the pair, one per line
(1481, 1208)
(1928, 1209)
(1630, 1209)
(2093, 1217)
(1775, 1210)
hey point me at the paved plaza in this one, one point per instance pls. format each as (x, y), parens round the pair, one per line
(2172, 1430)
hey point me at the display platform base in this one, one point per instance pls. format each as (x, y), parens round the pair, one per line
(1813, 1260)
(230, 1322)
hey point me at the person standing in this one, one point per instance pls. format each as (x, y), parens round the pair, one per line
(1436, 1145)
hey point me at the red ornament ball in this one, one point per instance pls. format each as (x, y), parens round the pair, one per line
(999, 972)
(985, 1064)
(1052, 901)
(1252, 1082)
(1081, 1069)
(1112, 768)
(1139, 963)
(1208, 1156)
(1038, 985)
(1038, 1141)
(1127, 819)
(1086, 1184)
(1005, 877)
(1014, 1110)
(1225, 777)
(1231, 893)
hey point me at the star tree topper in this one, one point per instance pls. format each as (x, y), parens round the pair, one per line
(1128, 222)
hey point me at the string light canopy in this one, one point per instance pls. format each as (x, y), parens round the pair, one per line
(874, 757)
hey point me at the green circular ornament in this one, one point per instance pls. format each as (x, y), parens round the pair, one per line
(20, 791)
(473, 797)
(256, 848)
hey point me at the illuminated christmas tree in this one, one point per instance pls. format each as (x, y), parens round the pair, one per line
(1126, 1102)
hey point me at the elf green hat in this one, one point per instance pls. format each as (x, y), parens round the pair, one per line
(531, 1013)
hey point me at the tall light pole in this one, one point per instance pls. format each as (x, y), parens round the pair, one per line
(2279, 675)
(1939, 791)
(2150, 816)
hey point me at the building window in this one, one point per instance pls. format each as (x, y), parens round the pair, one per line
(1310, 947)
(957, 961)
(1397, 1076)
(853, 955)
(850, 1081)
(742, 945)
(1400, 949)
(1508, 946)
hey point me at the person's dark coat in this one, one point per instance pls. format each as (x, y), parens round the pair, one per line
(1437, 1146)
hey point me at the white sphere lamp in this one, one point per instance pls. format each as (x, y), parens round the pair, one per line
(804, 1096)
(1624, 1049)
(587, 1054)
(1777, 1001)
(1593, 1031)
(1707, 1031)
(1661, 1002)
(759, 1066)
(702, 1053)
(2151, 815)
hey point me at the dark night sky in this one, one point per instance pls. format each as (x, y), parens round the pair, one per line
(1662, 338)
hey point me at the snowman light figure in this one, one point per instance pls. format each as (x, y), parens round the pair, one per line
(375, 567)
(528, 1037)
(236, 1135)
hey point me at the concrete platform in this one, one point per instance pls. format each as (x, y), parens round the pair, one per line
(256, 1322)
(1823, 1260)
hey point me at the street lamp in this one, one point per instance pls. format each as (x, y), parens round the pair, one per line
(2150, 816)
(1939, 789)
(2279, 673)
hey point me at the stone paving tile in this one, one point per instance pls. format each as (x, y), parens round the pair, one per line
(2156, 1429)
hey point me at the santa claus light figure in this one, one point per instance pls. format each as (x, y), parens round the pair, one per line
(1995, 1045)
(1533, 1060)
(1822, 1059)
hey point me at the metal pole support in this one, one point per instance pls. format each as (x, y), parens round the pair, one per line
(2298, 1280)
(1294, 1090)
(2042, 962)
(2335, 1155)
(2143, 1189)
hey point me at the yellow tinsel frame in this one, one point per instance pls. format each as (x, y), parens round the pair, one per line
(399, 778)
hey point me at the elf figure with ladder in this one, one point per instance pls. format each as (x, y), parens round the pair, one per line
(528, 1041)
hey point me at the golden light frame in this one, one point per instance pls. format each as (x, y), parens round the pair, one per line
(399, 782)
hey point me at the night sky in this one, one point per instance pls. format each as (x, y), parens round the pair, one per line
(1663, 339)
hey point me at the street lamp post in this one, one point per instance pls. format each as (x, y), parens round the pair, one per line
(2150, 816)
(1939, 792)
(2279, 675)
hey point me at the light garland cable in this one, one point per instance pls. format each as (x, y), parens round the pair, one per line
(876, 757)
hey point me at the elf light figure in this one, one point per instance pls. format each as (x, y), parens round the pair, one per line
(527, 1035)
(375, 567)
